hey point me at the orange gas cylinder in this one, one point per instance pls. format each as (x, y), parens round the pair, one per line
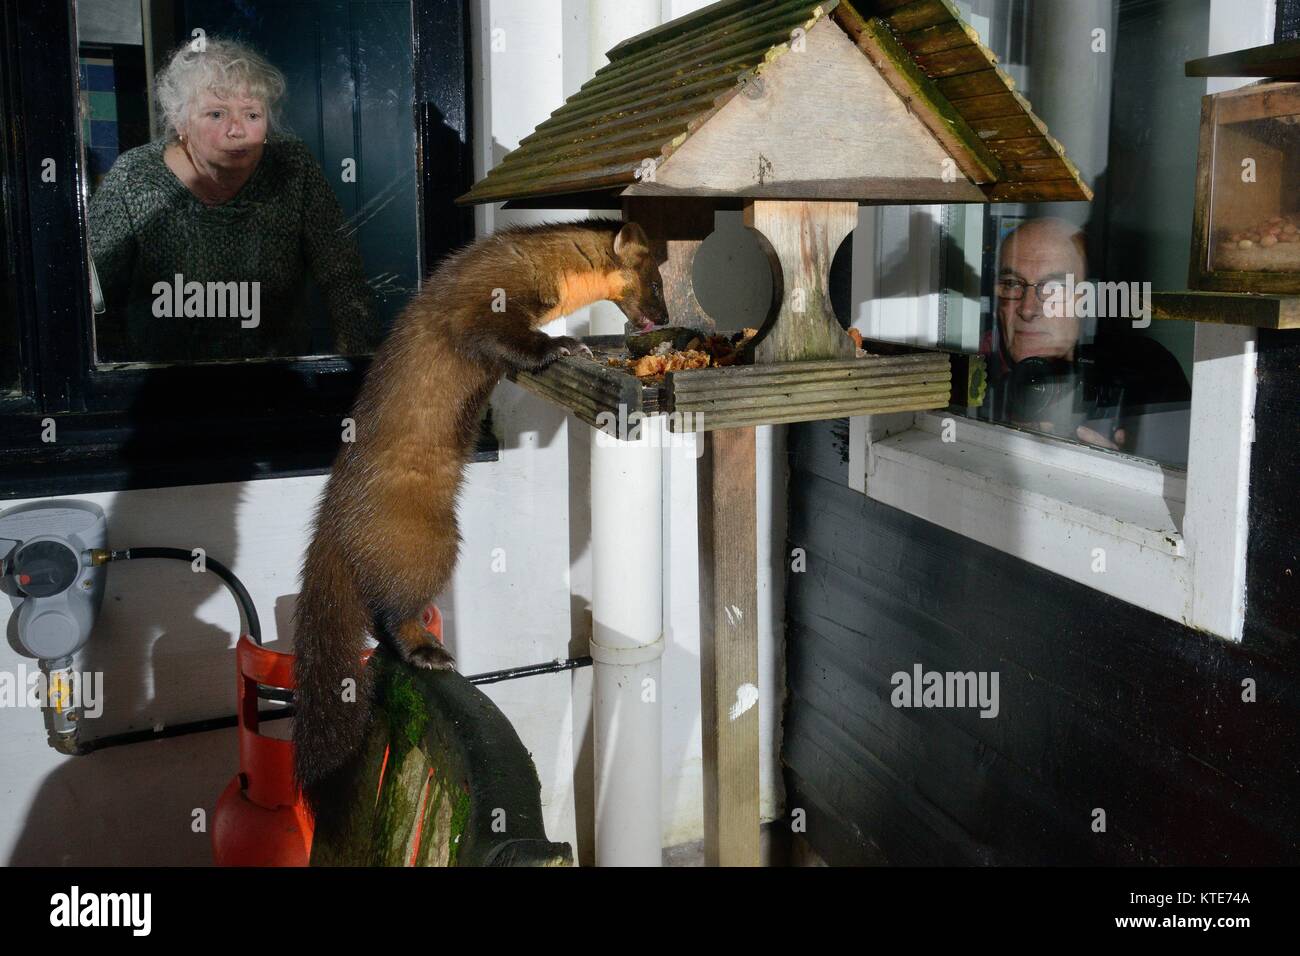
(260, 819)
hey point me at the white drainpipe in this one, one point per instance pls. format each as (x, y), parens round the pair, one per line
(626, 646)
(627, 581)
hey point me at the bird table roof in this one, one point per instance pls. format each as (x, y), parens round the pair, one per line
(900, 102)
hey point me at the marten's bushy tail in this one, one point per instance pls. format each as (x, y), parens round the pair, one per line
(331, 624)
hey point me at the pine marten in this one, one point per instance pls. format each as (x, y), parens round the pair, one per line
(385, 540)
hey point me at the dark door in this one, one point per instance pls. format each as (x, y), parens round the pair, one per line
(350, 92)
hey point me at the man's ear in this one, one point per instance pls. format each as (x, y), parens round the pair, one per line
(628, 238)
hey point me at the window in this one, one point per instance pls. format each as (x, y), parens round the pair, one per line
(245, 365)
(278, 218)
(1053, 294)
(1160, 521)
(11, 380)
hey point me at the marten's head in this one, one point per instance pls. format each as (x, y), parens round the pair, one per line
(642, 300)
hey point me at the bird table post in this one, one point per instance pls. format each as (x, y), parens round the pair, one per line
(728, 546)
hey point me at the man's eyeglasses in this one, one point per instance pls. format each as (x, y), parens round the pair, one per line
(1010, 288)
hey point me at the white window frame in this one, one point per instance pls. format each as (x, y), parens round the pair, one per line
(1168, 540)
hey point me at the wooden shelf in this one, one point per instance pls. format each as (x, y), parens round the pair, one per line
(1276, 60)
(1228, 308)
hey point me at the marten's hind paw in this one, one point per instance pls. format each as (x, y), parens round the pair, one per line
(432, 657)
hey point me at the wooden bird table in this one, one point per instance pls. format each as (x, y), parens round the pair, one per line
(795, 112)
(805, 368)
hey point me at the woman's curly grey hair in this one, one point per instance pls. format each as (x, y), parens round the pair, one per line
(224, 67)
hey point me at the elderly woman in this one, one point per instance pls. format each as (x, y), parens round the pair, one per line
(202, 240)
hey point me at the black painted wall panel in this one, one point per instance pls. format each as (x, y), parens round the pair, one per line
(1273, 559)
(1102, 704)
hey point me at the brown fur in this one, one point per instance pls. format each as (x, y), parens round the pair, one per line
(386, 540)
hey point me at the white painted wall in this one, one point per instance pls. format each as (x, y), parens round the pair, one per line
(165, 639)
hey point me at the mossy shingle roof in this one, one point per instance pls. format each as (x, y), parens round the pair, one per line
(660, 86)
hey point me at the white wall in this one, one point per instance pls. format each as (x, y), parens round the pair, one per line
(165, 637)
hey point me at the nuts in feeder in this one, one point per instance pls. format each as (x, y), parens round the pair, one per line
(1271, 245)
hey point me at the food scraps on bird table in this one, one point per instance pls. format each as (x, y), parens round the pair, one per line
(702, 351)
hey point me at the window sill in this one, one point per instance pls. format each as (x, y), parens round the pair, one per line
(1105, 520)
(1124, 497)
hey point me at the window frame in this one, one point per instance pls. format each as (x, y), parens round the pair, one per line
(1053, 503)
(134, 427)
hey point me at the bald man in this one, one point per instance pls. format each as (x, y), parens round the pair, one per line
(1046, 378)
(1037, 253)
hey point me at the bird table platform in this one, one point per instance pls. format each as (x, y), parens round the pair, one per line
(796, 113)
(888, 378)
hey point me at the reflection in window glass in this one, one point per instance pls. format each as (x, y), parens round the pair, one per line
(10, 362)
(10, 378)
(251, 170)
(1062, 313)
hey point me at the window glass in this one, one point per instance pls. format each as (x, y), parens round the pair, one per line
(1062, 313)
(10, 362)
(250, 172)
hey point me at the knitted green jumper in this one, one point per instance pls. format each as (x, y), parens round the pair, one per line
(285, 224)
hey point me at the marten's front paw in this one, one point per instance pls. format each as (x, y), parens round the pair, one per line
(560, 347)
(431, 656)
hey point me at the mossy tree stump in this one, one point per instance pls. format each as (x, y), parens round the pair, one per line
(444, 781)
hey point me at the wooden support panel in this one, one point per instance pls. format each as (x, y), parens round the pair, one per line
(800, 239)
